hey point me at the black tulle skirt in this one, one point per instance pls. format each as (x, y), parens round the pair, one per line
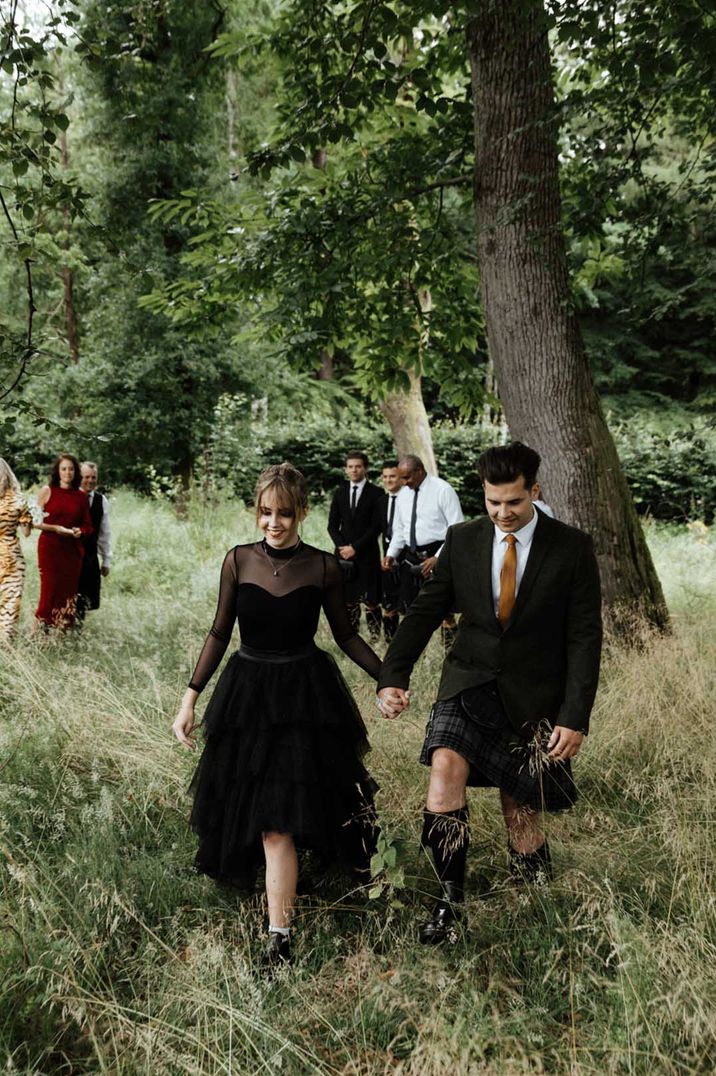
(284, 749)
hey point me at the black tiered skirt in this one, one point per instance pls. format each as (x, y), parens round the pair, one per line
(284, 749)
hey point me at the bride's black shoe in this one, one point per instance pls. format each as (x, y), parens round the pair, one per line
(444, 923)
(276, 954)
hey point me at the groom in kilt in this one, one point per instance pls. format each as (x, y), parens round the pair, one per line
(518, 685)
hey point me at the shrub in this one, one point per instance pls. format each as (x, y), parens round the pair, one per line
(672, 476)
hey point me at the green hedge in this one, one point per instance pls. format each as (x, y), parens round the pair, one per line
(319, 448)
(672, 475)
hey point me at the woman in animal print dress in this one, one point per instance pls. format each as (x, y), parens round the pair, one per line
(14, 513)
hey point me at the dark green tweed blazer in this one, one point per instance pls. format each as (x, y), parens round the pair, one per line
(546, 661)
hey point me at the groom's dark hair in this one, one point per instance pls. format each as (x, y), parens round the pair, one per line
(505, 463)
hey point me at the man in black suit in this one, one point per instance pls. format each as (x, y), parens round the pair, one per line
(99, 544)
(517, 687)
(390, 583)
(354, 526)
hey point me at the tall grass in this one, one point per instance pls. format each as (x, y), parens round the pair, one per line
(116, 958)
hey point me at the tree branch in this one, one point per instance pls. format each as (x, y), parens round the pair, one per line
(452, 181)
(31, 308)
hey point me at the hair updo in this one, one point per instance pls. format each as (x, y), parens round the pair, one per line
(289, 486)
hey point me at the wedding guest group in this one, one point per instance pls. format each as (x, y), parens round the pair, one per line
(75, 532)
(282, 767)
(354, 528)
(518, 685)
(96, 545)
(14, 514)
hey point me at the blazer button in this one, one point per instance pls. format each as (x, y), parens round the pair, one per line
(497, 672)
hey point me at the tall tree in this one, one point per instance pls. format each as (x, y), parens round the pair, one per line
(533, 333)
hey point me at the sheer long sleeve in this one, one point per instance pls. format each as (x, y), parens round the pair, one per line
(334, 606)
(219, 636)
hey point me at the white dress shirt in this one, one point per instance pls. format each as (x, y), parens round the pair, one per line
(104, 536)
(438, 509)
(523, 544)
(358, 488)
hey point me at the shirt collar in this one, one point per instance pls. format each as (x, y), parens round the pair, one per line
(524, 534)
(359, 485)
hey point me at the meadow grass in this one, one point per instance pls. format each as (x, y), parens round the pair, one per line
(116, 958)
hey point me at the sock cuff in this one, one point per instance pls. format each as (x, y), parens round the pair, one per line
(435, 821)
(285, 931)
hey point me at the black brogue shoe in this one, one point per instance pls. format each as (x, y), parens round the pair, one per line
(444, 923)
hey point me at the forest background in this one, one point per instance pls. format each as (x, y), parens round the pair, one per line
(218, 280)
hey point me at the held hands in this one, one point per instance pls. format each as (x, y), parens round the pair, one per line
(183, 727)
(564, 743)
(392, 701)
(386, 564)
(347, 552)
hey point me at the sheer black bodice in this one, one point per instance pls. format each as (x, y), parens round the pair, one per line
(277, 598)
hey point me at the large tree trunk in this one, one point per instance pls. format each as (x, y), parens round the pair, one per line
(533, 335)
(408, 420)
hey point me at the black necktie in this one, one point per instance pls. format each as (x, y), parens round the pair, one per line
(354, 497)
(413, 520)
(391, 517)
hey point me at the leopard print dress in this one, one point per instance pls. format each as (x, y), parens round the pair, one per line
(14, 511)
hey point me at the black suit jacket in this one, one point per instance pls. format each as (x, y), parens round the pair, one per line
(360, 530)
(546, 661)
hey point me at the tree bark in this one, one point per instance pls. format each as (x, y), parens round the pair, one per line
(408, 420)
(533, 335)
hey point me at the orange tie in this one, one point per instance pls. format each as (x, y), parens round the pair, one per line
(508, 582)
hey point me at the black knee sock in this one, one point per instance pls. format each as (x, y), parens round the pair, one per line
(447, 835)
(530, 866)
(390, 626)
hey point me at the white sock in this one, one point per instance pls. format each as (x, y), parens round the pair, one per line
(280, 930)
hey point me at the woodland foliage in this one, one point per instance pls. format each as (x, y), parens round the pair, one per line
(242, 196)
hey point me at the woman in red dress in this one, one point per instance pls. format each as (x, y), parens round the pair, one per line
(60, 550)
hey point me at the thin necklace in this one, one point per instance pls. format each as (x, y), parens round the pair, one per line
(275, 570)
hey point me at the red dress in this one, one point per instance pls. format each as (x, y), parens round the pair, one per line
(60, 557)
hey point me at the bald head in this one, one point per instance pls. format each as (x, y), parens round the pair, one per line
(411, 471)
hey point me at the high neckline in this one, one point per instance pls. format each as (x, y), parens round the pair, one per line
(281, 554)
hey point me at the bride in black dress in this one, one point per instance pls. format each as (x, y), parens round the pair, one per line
(281, 769)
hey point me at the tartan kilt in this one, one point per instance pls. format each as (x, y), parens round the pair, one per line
(498, 757)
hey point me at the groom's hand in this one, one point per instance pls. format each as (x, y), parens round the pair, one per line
(392, 701)
(564, 743)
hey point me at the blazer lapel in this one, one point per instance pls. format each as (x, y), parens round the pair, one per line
(483, 573)
(538, 551)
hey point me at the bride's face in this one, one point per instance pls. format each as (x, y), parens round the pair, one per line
(278, 521)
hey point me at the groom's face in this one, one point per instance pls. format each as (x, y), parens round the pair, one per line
(509, 505)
